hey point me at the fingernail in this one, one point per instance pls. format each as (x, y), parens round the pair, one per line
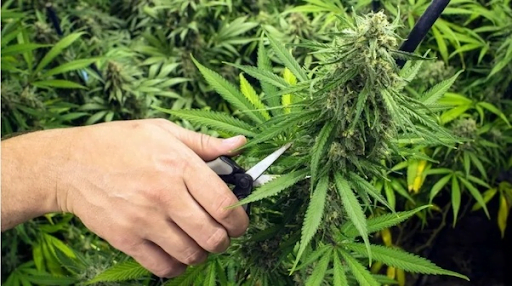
(232, 141)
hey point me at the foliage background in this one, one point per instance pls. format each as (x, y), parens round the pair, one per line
(142, 50)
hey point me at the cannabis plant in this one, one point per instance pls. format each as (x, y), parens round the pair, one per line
(346, 117)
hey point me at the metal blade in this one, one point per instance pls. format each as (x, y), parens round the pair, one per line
(263, 179)
(257, 170)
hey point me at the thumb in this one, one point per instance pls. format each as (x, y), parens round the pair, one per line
(208, 147)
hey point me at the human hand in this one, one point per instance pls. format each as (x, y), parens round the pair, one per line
(144, 187)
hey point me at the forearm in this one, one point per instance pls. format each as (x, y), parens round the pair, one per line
(30, 165)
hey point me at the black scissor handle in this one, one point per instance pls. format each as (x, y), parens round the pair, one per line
(231, 173)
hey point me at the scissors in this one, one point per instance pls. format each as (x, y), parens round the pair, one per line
(244, 181)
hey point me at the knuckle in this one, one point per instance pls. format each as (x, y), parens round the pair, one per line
(218, 241)
(168, 270)
(204, 141)
(222, 211)
(197, 256)
(124, 242)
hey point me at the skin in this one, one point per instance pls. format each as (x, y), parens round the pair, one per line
(141, 185)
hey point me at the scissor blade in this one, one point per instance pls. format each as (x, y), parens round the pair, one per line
(263, 179)
(257, 170)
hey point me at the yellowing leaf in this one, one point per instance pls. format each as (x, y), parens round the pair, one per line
(390, 272)
(376, 266)
(400, 277)
(249, 93)
(415, 175)
(503, 215)
(488, 195)
(286, 99)
(289, 77)
(386, 237)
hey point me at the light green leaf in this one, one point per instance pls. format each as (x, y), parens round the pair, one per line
(229, 92)
(212, 119)
(57, 49)
(313, 216)
(362, 275)
(273, 187)
(287, 58)
(122, 271)
(318, 274)
(352, 207)
(400, 259)
(381, 222)
(249, 93)
(435, 93)
(70, 66)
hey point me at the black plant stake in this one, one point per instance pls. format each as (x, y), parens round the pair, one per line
(422, 27)
(56, 25)
(375, 5)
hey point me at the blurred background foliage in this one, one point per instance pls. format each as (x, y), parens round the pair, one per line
(77, 62)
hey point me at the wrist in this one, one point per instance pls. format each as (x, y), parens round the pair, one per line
(31, 166)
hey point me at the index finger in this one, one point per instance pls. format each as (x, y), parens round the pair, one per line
(208, 189)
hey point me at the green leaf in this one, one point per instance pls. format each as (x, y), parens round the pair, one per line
(20, 48)
(292, 120)
(122, 271)
(455, 199)
(229, 92)
(57, 49)
(264, 76)
(211, 276)
(476, 194)
(57, 83)
(268, 89)
(212, 119)
(287, 58)
(438, 186)
(250, 94)
(273, 187)
(339, 276)
(318, 274)
(434, 94)
(494, 110)
(318, 150)
(362, 275)
(364, 186)
(70, 66)
(312, 257)
(313, 216)
(400, 259)
(189, 277)
(381, 222)
(352, 207)
(478, 165)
